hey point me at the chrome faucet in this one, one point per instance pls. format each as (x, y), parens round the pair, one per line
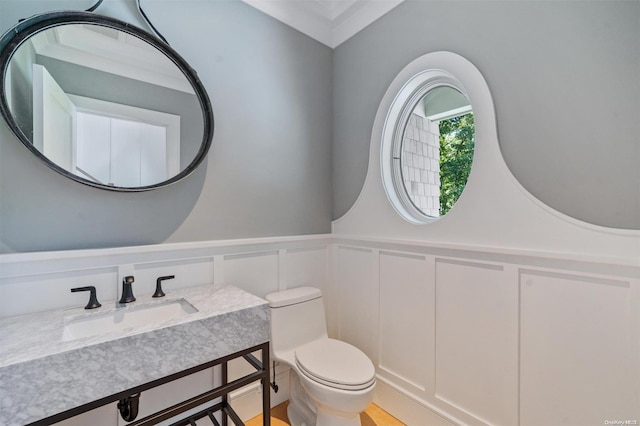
(127, 291)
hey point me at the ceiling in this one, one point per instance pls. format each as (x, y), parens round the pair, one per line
(329, 21)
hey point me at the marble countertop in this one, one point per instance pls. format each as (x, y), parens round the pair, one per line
(42, 375)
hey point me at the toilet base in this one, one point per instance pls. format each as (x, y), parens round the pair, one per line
(301, 411)
(296, 418)
(305, 410)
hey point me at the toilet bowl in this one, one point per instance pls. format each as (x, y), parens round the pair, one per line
(331, 382)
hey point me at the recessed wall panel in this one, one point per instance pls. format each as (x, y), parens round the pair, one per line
(358, 290)
(256, 273)
(407, 319)
(579, 350)
(476, 340)
(187, 272)
(307, 267)
(20, 295)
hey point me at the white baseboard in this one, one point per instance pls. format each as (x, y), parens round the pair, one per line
(405, 408)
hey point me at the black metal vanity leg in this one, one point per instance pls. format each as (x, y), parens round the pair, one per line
(266, 388)
(225, 398)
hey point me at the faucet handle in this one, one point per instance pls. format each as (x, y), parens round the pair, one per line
(127, 291)
(159, 292)
(93, 299)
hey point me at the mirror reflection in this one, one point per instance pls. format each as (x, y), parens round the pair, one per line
(104, 105)
(437, 150)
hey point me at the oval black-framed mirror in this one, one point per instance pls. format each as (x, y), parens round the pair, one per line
(103, 102)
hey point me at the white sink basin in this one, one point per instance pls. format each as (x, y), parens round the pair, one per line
(125, 318)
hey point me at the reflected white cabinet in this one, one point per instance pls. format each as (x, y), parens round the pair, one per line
(53, 118)
(113, 144)
(119, 151)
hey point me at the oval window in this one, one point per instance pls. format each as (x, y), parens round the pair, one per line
(437, 150)
(429, 138)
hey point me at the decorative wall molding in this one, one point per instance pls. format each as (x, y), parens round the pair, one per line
(441, 322)
(569, 261)
(481, 336)
(19, 264)
(33, 282)
(331, 22)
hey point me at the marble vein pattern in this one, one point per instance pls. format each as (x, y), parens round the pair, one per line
(41, 375)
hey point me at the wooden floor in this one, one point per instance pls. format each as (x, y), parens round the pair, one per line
(372, 416)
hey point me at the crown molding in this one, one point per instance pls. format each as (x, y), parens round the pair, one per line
(330, 22)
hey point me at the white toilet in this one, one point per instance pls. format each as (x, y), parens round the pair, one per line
(331, 382)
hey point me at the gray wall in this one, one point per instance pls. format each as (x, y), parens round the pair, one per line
(563, 74)
(268, 172)
(565, 78)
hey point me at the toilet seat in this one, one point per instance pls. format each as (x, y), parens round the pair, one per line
(335, 364)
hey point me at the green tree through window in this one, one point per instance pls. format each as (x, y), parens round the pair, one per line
(456, 154)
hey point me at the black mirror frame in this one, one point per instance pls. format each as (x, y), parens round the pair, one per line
(16, 36)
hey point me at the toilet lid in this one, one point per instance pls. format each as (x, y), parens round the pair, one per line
(336, 364)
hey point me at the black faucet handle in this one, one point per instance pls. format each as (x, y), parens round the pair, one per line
(93, 298)
(159, 292)
(127, 291)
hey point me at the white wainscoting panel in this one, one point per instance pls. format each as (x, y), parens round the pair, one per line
(256, 272)
(477, 340)
(407, 320)
(579, 349)
(46, 291)
(187, 272)
(461, 337)
(407, 410)
(33, 282)
(310, 267)
(466, 335)
(307, 267)
(357, 279)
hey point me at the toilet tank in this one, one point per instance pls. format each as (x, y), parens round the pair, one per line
(297, 317)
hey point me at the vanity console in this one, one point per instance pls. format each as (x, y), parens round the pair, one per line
(58, 364)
